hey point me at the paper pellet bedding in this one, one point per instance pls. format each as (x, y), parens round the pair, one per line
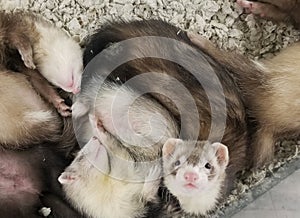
(219, 20)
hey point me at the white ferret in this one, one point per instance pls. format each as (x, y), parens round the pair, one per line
(194, 172)
(103, 181)
(44, 47)
(142, 127)
(138, 122)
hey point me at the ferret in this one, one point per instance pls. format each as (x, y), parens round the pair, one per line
(270, 88)
(139, 122)
(43, 46)
(27, 177)
(275, 10)
(25, 118)
(219, 117)
(104, 181)
(194, 172)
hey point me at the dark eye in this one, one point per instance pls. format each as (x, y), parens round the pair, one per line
(177, 163)
(207, 166)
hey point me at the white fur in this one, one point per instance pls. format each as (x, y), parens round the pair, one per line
(134, 119)
(58, 57)
(97, 193)
(38, 116)
(204, 196)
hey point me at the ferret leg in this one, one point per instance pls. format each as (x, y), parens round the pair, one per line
(152, 182)
(43, 87)
(264, 10)
(263, 147)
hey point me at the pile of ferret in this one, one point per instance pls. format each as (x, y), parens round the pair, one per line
(145, 144)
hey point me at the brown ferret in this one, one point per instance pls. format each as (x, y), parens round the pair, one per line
(25, 117)
(270, 88)
(276, 10)
(39, 44)
(200, 94)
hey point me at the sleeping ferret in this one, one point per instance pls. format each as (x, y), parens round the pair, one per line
(271, 91)
(45, 47)
(25, 118)
(104, 181)
(140, 123)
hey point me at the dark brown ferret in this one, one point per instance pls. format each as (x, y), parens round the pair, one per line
(202, 106)
(271, 91)
(276, 10)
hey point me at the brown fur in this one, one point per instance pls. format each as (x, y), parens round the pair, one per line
(271, 90)
(26, 119)
(235, 133)
(16, 33)
(18, 37)
(20, 106)
(276, 10)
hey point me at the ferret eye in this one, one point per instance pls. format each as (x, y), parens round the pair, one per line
(207, 166)
(177, 163)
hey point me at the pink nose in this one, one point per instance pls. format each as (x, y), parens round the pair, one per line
(191, 177)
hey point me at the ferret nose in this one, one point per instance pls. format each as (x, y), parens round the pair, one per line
(191, 177)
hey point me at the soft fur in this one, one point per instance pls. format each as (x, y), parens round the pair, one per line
(206, 188)
(235, 136)
(25, 118)
(271, 89)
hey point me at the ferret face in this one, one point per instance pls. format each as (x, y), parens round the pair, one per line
(63, 70)
(193, 168)
(59, 59)
(92, 161)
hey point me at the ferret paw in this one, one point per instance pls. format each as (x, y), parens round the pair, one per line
(62, 108)
(154, 173)
(255, 8)
(152, 182)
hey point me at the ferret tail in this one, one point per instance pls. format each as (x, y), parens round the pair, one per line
(68, 142)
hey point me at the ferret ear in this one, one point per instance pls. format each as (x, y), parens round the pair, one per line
(67, 178)
(221, 153)
(169, 146)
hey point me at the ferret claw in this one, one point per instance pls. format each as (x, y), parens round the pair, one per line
(62, 108)
(151, 184)
(154, 173)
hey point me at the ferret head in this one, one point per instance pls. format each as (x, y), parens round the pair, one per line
(91, 161)
(59, 59)
(192, 168)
